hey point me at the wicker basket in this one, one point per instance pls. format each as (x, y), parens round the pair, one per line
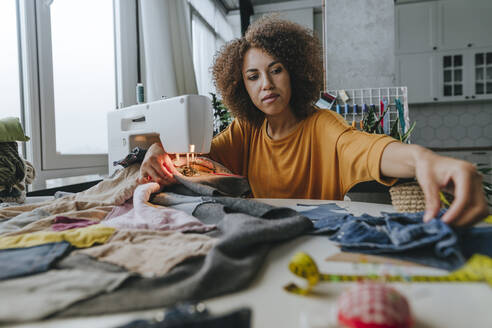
(407, 197)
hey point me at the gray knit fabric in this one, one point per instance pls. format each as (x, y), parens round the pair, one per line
(244, 241)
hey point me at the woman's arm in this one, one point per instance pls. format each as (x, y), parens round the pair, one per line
(157, 166)
(435, 172)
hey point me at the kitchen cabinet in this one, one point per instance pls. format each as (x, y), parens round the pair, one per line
(416, 30)
(444, 50)
(464, 24)
(417, 72)
(465, 75)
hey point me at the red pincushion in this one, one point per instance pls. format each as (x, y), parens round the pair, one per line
(373, 305)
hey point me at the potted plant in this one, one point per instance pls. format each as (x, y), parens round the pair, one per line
(222, 117)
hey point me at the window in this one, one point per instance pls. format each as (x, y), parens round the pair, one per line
(83, 74)
(67, 52)
(77, 81)
(9, 60)
(453, 75)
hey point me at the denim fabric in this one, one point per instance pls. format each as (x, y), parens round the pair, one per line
(404, 236)
(322, 211)
(476, 240)
(19, 262)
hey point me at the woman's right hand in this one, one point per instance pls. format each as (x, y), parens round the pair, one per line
(157, 166)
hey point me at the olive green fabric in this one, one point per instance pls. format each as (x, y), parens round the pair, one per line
(11, 130)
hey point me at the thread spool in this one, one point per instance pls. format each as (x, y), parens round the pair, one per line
(140, 93)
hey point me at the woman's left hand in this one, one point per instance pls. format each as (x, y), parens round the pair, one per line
(461, 178)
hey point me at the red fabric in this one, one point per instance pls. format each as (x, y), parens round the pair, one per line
(373, 305)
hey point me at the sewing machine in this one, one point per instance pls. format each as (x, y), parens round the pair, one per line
(182, 124)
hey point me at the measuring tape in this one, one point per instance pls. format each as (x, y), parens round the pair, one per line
(477, 269)
(488, 219)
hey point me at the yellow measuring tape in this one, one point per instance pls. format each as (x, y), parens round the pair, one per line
(488, 219)
(477, 269)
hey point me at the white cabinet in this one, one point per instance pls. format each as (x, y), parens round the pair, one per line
(481, 63)
(417, 72)
(444, 50)
(465, 74)
(464, 24)
(416, 30)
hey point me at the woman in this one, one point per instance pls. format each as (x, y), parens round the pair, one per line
(269, 80)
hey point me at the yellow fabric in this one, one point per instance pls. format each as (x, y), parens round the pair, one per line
(321, 159)
(80, 238)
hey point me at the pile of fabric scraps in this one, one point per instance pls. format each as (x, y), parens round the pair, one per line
(15, 172)
(402, 235)
(120, 246)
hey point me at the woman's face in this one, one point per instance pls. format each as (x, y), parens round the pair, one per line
(267, 82)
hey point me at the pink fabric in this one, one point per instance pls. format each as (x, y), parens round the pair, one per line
(144, 215)
(61, 223)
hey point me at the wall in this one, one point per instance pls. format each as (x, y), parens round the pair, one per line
(360, 42)
(452, 125)
(307, 13)
(302, 17)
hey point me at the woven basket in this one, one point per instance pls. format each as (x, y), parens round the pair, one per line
(408, 197)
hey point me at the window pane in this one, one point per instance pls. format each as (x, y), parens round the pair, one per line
(447, 76)
(478, 59)
(478, 74)
(458, 60)
(83, 73)
(448, 90)
(457, 75)
(458, 90)
(9, 61)
(447, 61)
(489, 58)
(479, 88)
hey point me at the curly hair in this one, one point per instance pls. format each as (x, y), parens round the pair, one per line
(293, 45)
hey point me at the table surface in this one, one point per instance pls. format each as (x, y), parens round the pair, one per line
(432, 304)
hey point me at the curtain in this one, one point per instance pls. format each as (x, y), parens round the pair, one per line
(203, 53)
(166, 49)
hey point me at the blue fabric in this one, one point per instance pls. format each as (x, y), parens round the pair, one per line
(238, 319)
(17, 262)
(403, 235)
(476, 240)
(322, 211)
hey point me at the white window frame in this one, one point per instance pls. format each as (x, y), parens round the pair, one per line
(37, 86)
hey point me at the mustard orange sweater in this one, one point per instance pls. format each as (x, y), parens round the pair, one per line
(321, 159)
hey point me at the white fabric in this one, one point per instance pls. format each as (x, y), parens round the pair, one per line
(166, 49)
(145, 215)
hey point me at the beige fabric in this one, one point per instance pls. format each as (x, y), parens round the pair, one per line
(93, 203)
(111, 191)
(150, 253)
(97, 213)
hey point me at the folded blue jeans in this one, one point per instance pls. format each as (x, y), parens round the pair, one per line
(17, 262)
(404, 236)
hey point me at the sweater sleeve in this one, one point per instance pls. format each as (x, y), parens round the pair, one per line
(231, 147)
(359, 156)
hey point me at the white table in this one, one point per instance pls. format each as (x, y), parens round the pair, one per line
(433, 305)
